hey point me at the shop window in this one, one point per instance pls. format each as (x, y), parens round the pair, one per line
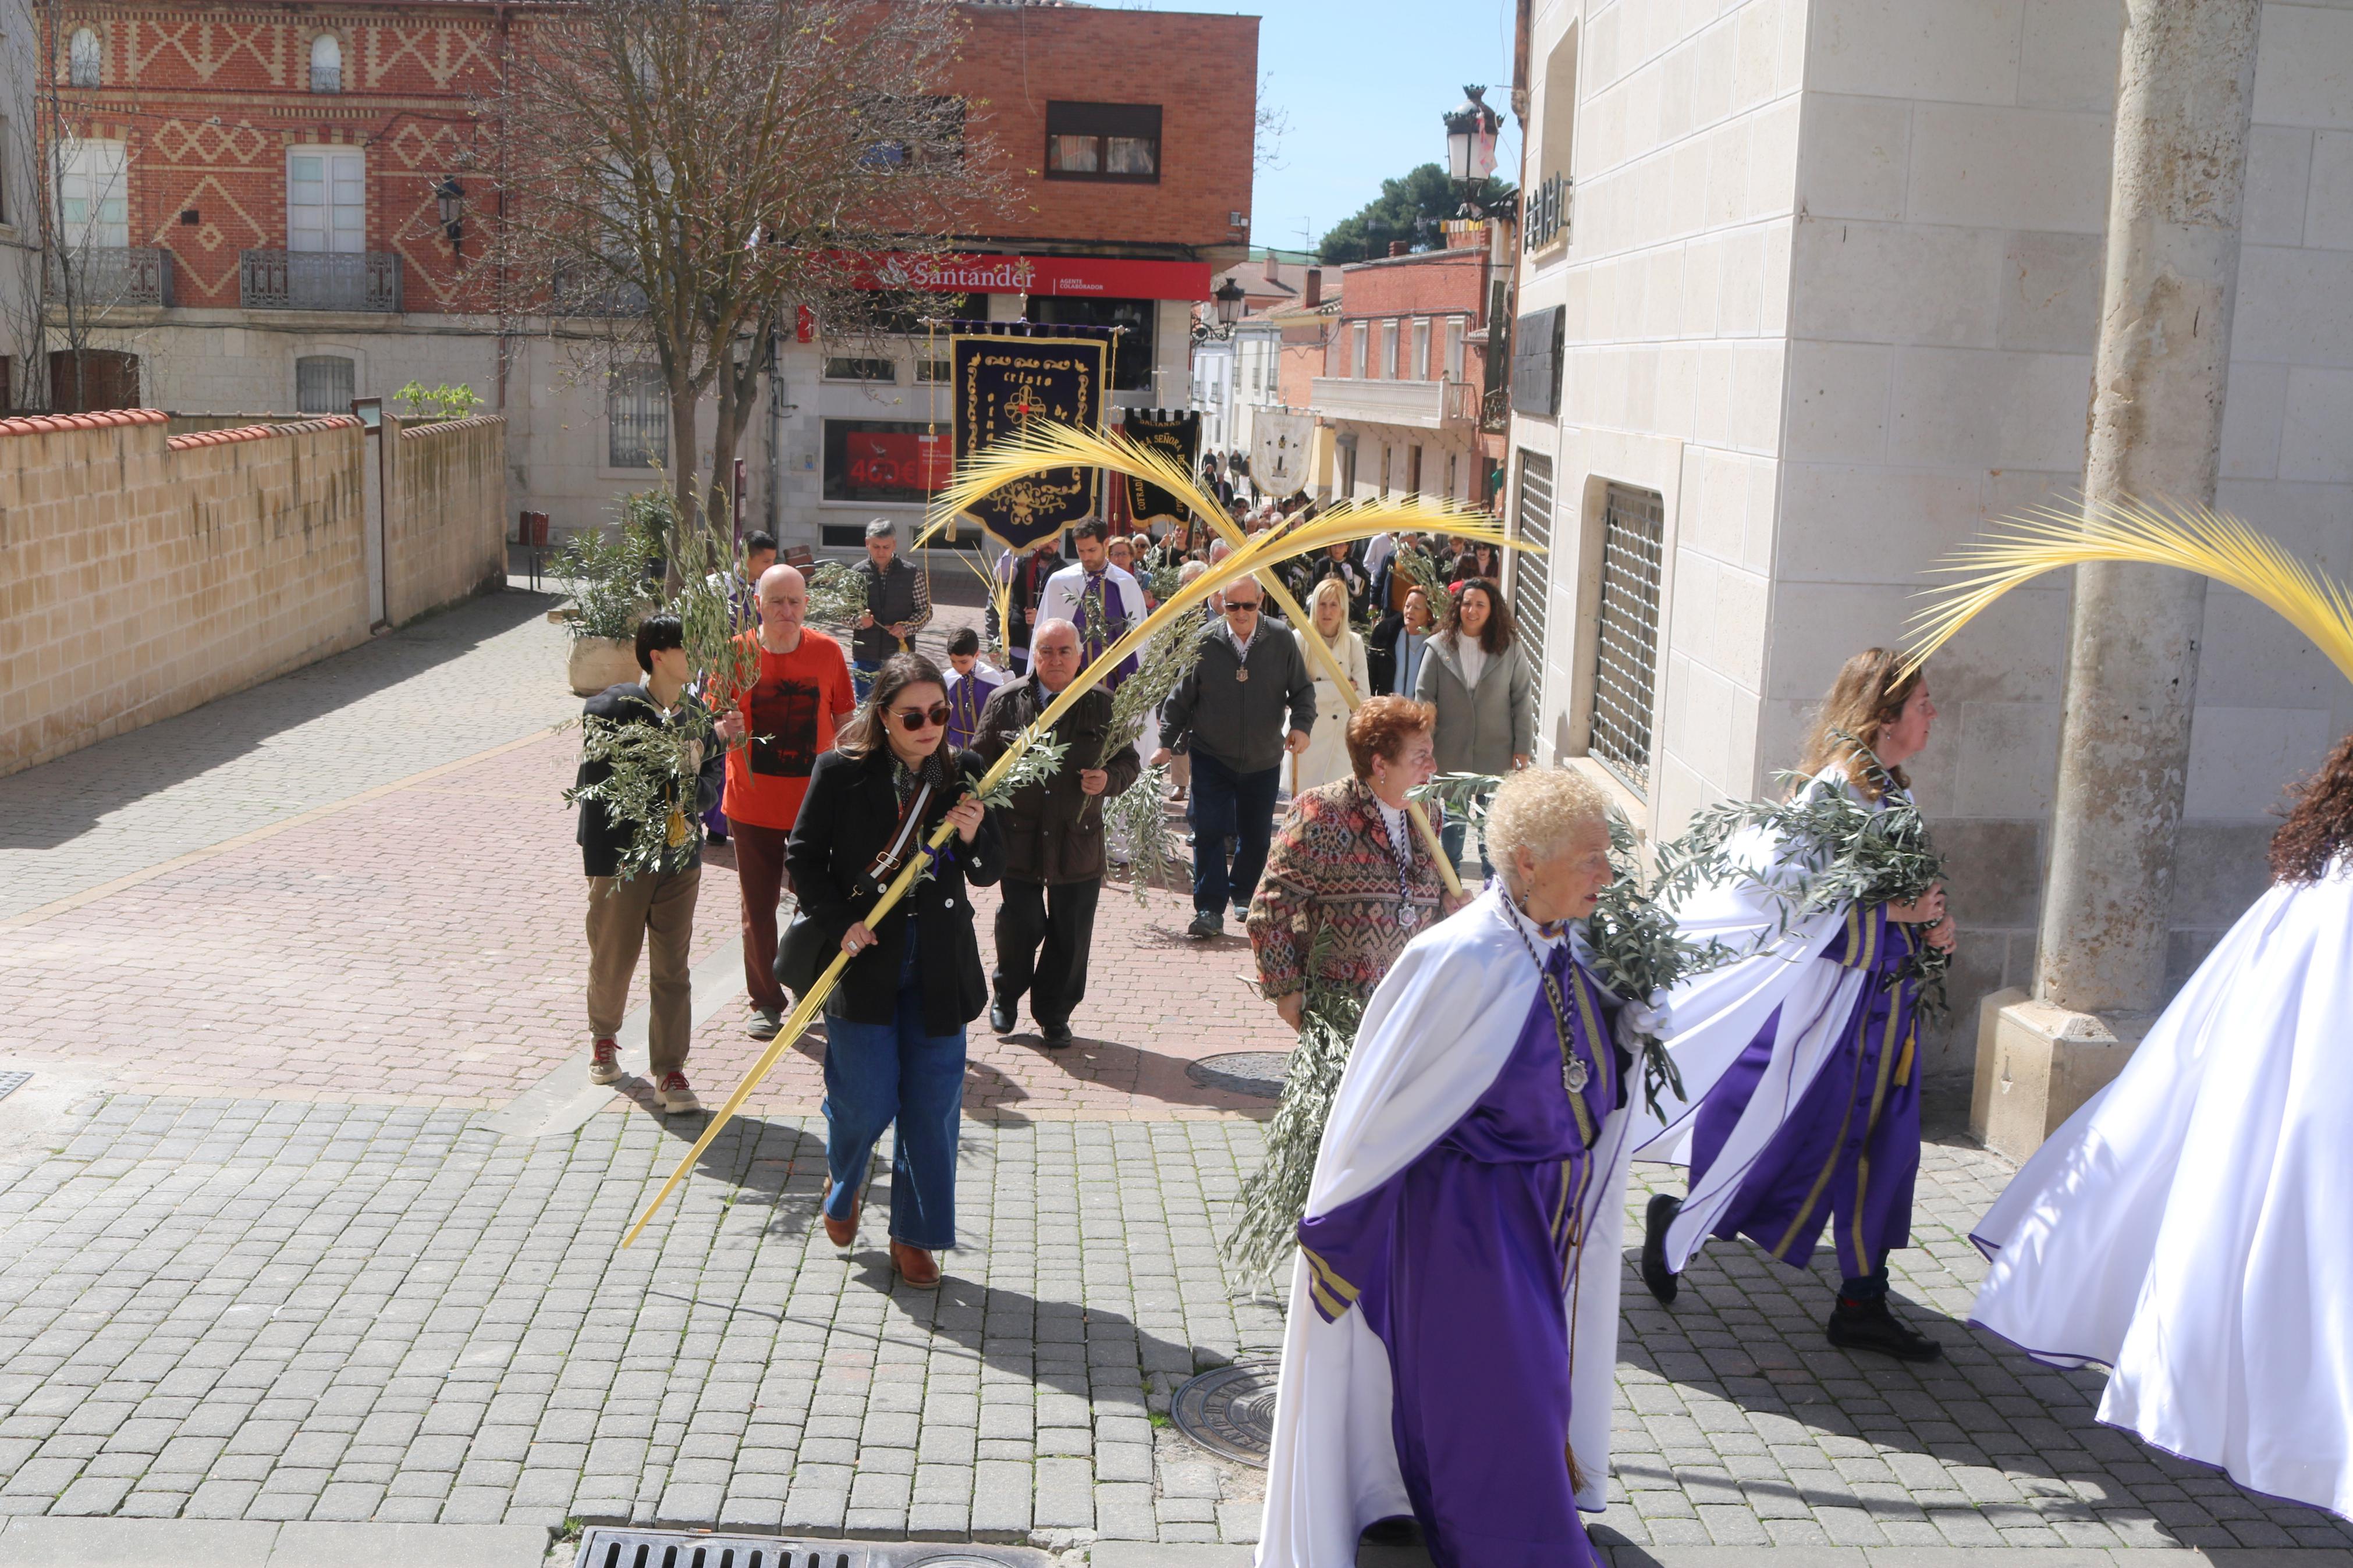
(636, 418)
(1132, 351)
(886, 461)
(324, 383)
(1104, 142)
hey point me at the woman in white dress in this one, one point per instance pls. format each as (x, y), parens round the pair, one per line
(1326, 756)
(2191, 1226)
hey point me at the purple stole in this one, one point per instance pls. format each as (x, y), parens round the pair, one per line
(1100, 626)
(967, 695)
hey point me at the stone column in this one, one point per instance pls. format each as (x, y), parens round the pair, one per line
(2183, 97)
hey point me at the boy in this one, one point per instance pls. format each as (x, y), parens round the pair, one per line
(969, 685)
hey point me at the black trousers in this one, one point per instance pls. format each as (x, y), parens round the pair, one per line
(1062, 918)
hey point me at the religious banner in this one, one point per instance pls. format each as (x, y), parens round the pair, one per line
(1279, 442)
(1002, 382)
(1176, 434)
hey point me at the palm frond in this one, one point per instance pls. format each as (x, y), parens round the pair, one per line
(2193, 538)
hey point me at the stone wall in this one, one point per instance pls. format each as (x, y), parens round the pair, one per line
(445, 512)
(143, 573)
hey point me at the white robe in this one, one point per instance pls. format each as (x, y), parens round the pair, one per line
(1435, 1033)
(1716, 1015)
(1326, 756)
(1059, 600)
(2191, 1226)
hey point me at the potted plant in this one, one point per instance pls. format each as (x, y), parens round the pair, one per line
(606, 579)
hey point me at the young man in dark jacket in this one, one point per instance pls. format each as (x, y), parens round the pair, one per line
(1053, 836)
(629, 902)
(898, 604)
(1231, 711)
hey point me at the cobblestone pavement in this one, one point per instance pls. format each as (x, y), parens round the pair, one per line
(243, 1308)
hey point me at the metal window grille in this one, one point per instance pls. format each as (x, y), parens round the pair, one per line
(637, 412)
(1633, 523)
(323, 383)
(1531, 581)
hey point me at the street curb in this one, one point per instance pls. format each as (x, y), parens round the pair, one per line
(49, 1542)
(1150, 1555)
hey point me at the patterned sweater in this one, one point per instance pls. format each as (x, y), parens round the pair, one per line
(1330, 881)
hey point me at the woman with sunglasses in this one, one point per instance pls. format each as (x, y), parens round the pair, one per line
(895, 1024)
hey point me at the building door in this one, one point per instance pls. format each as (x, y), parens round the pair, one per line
(88, 381)
(326, 200)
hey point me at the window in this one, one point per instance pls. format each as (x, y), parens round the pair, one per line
(1626, 642)
(1132, 351)
(886, 460)
(636, 418)
(326, 64)
(323, 383)
(93, 196)
(934, 370)
(1450, 475)
(1413, 470)
(1104, 142)
(1388, 368)
(1384, 471)
(1536, 362)
(849, 367)
(326, 200)
(84, 59)
(1359, 334)
(1454, 349)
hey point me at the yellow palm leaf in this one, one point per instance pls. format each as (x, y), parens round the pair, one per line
(2193, 538)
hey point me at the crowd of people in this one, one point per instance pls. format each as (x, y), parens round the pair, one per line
(1454, 1299)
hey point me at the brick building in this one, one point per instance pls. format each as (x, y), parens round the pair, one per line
(254, 198)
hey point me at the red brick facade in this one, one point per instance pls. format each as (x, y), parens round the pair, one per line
(208, 99)
(1435, 287)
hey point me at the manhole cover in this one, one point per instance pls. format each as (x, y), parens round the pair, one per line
(609, 1546)
(1258, 1073)
(10, 1081)
(1230, 1411)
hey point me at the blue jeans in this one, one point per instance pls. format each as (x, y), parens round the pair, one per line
(1229, 807)
(862, 672)
(876, 1074)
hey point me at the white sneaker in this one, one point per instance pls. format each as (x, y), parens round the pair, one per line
(603, 1062)
(676, 1094)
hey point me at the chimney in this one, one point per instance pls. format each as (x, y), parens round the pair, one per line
(1397, 247)
(1272, 273)
(1312, 294)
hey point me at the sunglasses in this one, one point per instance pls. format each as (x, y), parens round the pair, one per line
(913, 719)
(1251, 608)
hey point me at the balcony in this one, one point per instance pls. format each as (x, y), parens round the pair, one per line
(318, 281)
(97, 278)
(1416, 404)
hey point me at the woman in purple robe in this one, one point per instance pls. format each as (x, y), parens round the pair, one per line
(1453, 1336)
(1814, 1115)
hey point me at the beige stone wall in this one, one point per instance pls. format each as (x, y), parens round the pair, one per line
(445, 512)
(142, 575)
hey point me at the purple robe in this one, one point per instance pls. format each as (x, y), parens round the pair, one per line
(1459, 1263)
(967, 695)
(1849, 1148)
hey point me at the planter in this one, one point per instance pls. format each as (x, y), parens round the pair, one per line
(599, 662)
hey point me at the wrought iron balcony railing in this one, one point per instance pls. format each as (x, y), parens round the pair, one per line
(95, 278)
(318, 281)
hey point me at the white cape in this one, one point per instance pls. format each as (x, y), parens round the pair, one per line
(2192, 1225)
(1434, 1036)
(1716, 1015)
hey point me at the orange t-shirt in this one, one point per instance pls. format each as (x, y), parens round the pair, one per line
(790, 713)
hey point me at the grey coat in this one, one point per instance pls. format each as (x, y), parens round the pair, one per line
(1241, 724)
(1479, 729)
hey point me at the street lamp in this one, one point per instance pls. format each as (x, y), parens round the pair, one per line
(1470, 129)
(449, 196)
(1229, 302)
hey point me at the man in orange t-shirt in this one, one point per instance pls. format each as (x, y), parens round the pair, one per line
(790, 712)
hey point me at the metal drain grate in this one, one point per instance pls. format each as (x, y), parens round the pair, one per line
(607, 1546)
(1255, 1073)
(1229, 1411)
(11, 1082)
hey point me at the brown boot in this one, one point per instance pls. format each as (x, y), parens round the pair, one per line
(915, 1266)
(844, 1232)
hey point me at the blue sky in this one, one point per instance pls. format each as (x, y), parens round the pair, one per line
(1364, 82)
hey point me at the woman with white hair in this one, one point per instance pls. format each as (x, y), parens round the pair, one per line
(1325, 760)
(1453, 1329)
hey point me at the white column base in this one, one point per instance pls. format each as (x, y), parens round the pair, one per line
(2037, 1064)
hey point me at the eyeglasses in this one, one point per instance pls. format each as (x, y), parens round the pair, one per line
(913, 719)
(1250, 608)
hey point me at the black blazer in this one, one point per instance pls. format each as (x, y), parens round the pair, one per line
(847, 817)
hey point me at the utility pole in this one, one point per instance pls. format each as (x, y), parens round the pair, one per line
(2183, 97)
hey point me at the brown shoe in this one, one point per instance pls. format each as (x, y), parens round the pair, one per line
(844, 1232)
(915, 1266)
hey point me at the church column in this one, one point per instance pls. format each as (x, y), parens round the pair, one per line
(2183, 97)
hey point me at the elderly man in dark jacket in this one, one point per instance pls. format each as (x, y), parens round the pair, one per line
(1053, 836)
(1230, 711)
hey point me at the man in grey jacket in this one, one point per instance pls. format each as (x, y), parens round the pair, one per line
(1229, 713)
(898, 602)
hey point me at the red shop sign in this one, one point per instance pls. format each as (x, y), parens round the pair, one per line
(1105, 277)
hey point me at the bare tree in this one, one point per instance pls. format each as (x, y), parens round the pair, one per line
(693, 173)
